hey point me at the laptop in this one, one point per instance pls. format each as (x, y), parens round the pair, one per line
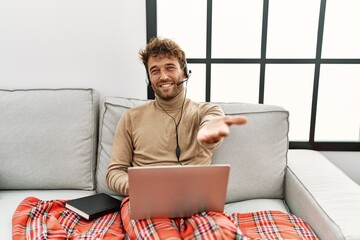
(177, 191)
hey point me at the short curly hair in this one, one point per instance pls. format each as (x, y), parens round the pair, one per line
(158, 46)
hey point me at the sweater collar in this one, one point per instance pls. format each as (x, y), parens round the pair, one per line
(172, 104)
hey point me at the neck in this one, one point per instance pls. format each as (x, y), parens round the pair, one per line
(171, 104)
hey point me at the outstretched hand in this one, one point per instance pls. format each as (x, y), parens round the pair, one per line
(218, 128)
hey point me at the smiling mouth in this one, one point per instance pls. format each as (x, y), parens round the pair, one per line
(166, 85)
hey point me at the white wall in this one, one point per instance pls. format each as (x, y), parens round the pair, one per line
(73, 43)
(85, 43)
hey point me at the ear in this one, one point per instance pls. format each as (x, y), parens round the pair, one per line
(148, 82)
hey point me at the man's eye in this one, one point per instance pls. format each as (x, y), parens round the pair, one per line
(154, 72)
(171, 68)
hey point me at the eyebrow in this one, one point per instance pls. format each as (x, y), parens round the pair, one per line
(166, 65)
(170, 65)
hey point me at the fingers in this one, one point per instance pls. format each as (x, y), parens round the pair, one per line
(218, 128)
(213, 137)
(238, 120)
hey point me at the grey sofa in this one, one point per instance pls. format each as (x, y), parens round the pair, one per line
(56, 144)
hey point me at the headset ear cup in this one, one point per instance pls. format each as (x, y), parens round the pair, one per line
(147, 79)
(186, 70)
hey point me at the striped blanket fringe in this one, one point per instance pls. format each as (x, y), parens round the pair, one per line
(40, 220)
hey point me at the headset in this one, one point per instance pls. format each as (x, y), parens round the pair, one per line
(187, 72)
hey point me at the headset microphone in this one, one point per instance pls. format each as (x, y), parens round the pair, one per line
(180, 83)
(187, 75)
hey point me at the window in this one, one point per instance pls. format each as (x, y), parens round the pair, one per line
(240, 82)
(303, 55)
(338, 113)
(176, 20)
(291, 86)
(236, 28)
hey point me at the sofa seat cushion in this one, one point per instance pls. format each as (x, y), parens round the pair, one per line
(256, 205)
(9, 201)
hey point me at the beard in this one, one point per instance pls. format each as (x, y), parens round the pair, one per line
(167, 90)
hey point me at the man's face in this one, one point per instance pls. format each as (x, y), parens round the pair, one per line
(165, 72)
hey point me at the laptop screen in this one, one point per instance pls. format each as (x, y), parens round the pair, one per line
(177, 191)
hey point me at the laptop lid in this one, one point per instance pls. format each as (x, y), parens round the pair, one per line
(177, 191)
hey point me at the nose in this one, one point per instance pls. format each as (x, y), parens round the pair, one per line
(163, 75)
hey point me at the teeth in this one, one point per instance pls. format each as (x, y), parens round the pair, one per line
(166, 85)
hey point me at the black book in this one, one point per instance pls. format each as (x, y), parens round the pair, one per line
(94, 206)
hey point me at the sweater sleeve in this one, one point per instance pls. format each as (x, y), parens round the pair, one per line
(121, 157)
(208, 111)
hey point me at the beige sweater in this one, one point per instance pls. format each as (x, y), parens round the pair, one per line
(146, 135)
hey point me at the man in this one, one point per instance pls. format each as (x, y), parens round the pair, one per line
(167, 131)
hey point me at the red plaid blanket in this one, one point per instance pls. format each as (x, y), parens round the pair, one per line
(36, 219)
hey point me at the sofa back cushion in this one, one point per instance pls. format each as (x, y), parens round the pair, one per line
(48, 138)
(111, 111)
(256, 151)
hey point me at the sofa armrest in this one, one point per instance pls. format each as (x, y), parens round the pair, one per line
(321, 194)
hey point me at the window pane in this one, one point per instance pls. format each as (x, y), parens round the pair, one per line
(185, 22)
(236, 28)
(341, 30)
(292, 28)
(235, 83)
(291, 86)
(338, 111)
(196, 90)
